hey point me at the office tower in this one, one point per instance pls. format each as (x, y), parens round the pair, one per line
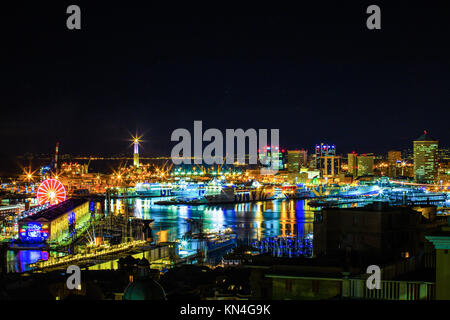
(272, 156)
(352, 159)
(394, 163)
(330, 166)
(365, 164)
(425, 159)
(326, 161)
(296, 159)
(323, 150)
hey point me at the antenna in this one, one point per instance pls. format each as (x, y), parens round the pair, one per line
(56, 155)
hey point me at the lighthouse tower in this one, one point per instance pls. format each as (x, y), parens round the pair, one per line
(136, 153)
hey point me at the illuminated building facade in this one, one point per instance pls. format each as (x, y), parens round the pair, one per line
(425, 159)
(296, 159)
(330, 166)
(352, 160)
(394, 163)
(444, 154)
(323, 150)
(326, 161)
(273, 156)
(365, 164)
(55, 222)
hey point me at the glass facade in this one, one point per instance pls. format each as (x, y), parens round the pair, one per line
(425, 161)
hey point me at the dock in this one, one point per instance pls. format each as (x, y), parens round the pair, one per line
(100, 255)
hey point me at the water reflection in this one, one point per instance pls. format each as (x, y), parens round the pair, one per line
(18, 261)
(250, 221)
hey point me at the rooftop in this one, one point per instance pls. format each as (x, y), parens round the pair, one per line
(425, 137)
(55, 211)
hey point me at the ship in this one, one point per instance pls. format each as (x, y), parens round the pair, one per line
(194, 190)
(359, 191)
(294, 192)
(416, 195)
(209, 241)
(233, 194)
(153, 190)
(218, 241)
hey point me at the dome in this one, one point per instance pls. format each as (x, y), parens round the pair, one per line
(147, 289)
(144, 287)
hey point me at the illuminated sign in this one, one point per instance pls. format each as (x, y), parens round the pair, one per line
(72, 223)
(33, 232)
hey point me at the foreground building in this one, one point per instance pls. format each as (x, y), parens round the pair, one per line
(346, 242)
(441, 242)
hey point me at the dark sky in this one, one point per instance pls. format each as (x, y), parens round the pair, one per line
(313, 71)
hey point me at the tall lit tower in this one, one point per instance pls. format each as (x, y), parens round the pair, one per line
(136, 153)
(136, 141)
(56, 156)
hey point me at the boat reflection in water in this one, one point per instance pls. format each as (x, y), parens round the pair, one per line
(249, 222)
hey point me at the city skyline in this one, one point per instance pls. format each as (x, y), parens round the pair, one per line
(222, 157)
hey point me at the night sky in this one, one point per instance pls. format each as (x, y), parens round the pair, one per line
(313, 71)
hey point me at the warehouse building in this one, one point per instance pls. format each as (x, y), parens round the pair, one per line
(56, 222)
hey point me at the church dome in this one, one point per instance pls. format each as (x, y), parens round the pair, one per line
(147, 289)
(144, 287)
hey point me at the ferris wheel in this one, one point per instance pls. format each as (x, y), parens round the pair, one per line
(51, 191)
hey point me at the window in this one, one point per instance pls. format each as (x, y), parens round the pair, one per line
(288, 285)
(315, 286)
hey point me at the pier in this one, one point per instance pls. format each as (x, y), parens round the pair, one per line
(101, 254)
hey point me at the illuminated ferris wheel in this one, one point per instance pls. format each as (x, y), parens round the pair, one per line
(51, 191)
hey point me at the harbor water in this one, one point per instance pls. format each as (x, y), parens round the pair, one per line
(250, 221)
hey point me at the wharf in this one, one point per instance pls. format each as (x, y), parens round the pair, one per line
(100, 255)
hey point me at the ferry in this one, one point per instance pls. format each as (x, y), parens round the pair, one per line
(219, 241)
(358, 191)
(209, 240)
(416, 195)
(195, 190)
(294, 192)
(235, 194)
(153, 189)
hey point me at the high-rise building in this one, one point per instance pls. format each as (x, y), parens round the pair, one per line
(365, 164)
(394, 163)
(323, 150)
(296, 159)
(326, 161)
(273, 156)
(352, 159)
(425, 159)
(330, 166)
